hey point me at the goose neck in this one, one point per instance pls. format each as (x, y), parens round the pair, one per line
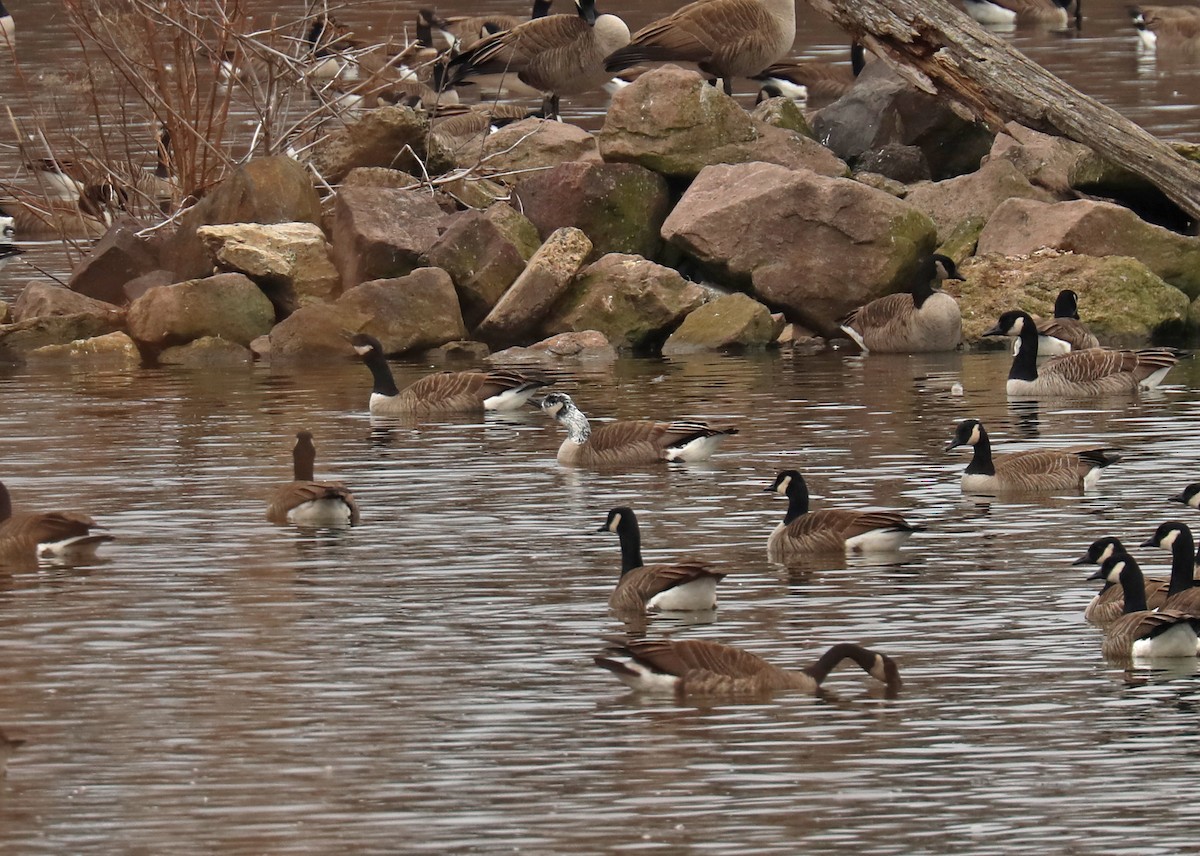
(797, 495)
(1183, 563)
(577, 425)
(981, 457)
(630, 536)
(385, 384)
(1024, 364)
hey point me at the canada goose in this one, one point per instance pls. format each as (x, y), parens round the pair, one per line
(630, 443)
(1064, 332)
(460, 32)
(801, 80)
(442, 392)
(1094, 372)
(457, 125)
(921, 321)
(1020, 11)
(7, 249)
(8, 30)
(831, 530)
(1034, 471)
(724, 38)
(557, 54)
(8, 745)
(330, 50)
(28, 537)
(1190, 496)
(1184, 592)
(677, 587)
(1109, 603)
(696, 667)
(1178, 26)
(1138, 632)
(307, 502)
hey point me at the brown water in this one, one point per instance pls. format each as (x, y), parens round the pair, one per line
(423, 683)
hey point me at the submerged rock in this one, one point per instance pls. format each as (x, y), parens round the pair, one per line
(112, 351)
(227, 305)
(206, 352)
(24, 336)
(732, 322)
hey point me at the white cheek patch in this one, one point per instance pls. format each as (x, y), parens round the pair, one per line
(782, 487)
(1017, 345)
(974, 434)
(1170, 538)
(363, 350)
(1018, 326)
(614, 523)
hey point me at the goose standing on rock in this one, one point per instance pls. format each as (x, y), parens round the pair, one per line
(696, 667)
(307, 502)
(557, 54)
(832, 530)
(1184, 592)
(1140, 633)
(633, 443)
(1065, 332)
(724, 38)
(442, 392)
(675, 587)
(63, 535)
(1109, 603)
(1082, 374)
(924, 320)
(1034, 471)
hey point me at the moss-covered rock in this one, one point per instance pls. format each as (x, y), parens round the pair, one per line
(732, 322)
(113, 351)
(1123, 302)
(782, 113)
(228, 305)
(206, 352)
(960, 243)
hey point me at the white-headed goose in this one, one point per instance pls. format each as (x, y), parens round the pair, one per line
(1021, 11)
(832, 530)
(442, 392)
(1079, 374)
(923, 320)
(724, 38)
(1184, 592)
(307, 502)
(1140, 633)
(696, 667)
(27, 537)
(675, 587)
(1034, 471)
(557, 54)
(1064, 332)
(1109, 603)
(1167, 26)
(616, 444)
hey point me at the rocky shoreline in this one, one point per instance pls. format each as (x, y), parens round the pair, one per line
(686, 223)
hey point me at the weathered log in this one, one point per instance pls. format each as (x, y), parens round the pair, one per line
(939, 49)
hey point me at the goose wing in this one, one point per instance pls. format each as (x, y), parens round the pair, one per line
(34, 529)
(511, 50)
(295, 494)
(1074, 333)
(1099, 363)
(638, 586)
(886, 311)
(695, 657)
(694, 33)
(822, 80)
(1052, 468)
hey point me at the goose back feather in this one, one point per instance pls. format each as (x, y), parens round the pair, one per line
(27, 537)
(308, 502)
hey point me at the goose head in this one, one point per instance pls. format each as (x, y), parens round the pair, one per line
(365, 345)
(557, 404)
(1167, 534)
(1190, 495)
(1066, 305)
(788, 483)
(1013, 323)
(944, 268)
(1114, 569)
(619, 519)
(1101, 550)
(968, 433)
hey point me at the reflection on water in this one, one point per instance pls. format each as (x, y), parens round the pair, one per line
(424, 682)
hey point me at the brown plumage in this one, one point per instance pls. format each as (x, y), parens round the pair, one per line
(1109, 603)
(462, 31)
(1167, 26)
(1183, 593)
(697, 667)
(1138, 632)
(677, 587)
(924, 320)
(310, 502)
(26, 537)
(724, 38)
(616, 444)
(1064, 332)
(1023, 11)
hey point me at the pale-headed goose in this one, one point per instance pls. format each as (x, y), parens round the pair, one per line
(832, 530)
(1064, 332)
(1167, 26)
(724, 38)
(307, 502)
(557, 54)
(1035, 471)
(1140, 633)
(697, 667)
(1184, 592)
(27, 537)
(1021, 11)
(1079, 374)
(922, 320)
(615, 444)
(685, 586)
(442, 392)
(1109, 603)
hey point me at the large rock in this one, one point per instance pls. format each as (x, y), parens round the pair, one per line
(111, 351)
(288, 261)
(314, 333)
(40, 297)
(955, 201)
(1122, 301)
(1021, 226)
(619, 206)
(266, 190)
(393, 137)
(733, 322)
(632, 301)
(517, 151)
(545, 279)
(883, 108)
(380, 233)
(227, 305)
(811, 245)
(671, 121)
(409, 313)
(118, 258)
(484, 252)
